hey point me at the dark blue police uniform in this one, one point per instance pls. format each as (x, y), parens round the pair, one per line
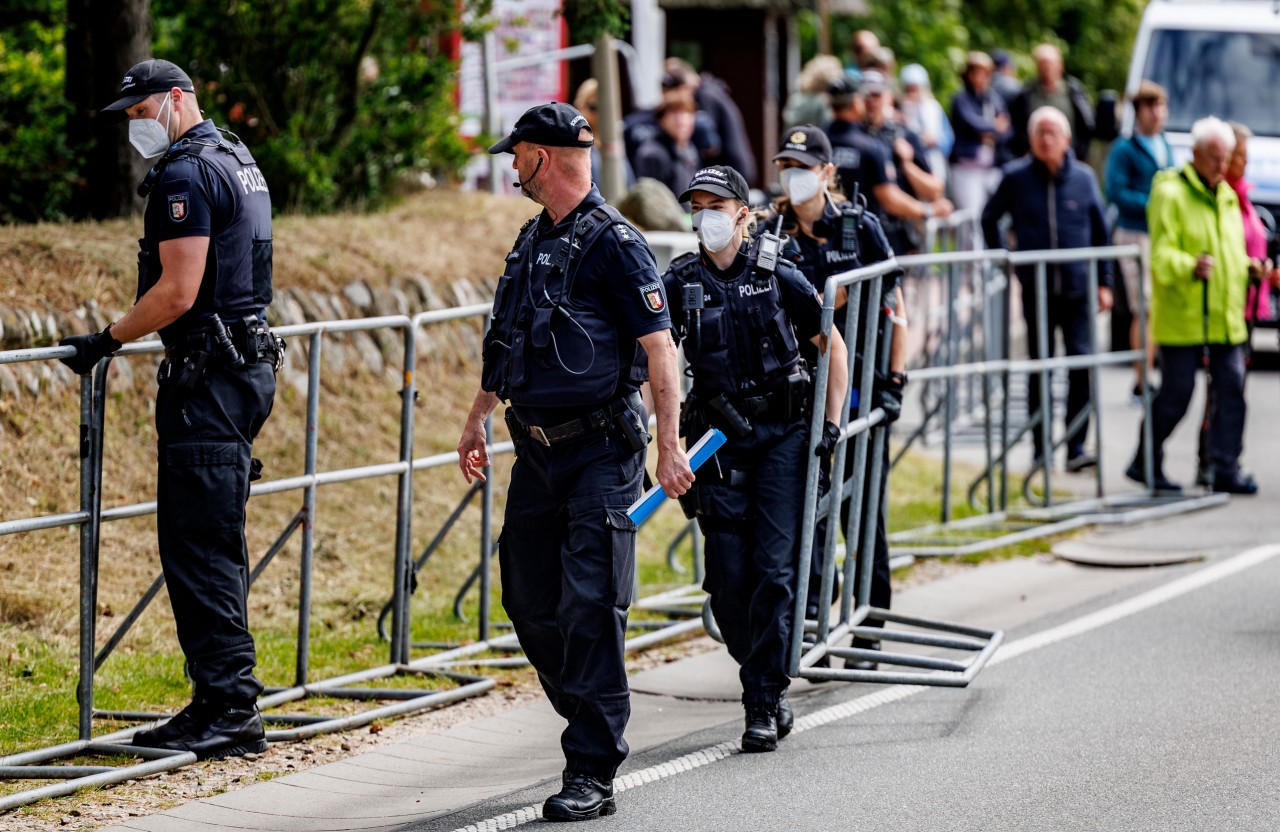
(744, 356)
(207, 410)
(864, 160)
(818, 257)
(563, 350)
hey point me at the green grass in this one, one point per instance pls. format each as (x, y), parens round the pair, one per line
(38, 678)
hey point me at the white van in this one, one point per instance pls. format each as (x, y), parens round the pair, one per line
(1220, 59)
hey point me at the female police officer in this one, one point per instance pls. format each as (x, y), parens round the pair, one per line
(741, 316)
(828, 235)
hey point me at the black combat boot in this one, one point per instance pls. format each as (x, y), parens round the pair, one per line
(762, 728)
(177, 726)
(211, 730)
(582, 797)
(786, 718)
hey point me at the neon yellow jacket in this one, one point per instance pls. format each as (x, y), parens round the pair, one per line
(1187, 220)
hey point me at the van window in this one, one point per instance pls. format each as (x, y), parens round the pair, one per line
(1232, 75)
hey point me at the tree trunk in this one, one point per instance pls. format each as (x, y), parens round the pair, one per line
(104, 39)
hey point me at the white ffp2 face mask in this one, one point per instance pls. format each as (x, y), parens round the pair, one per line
(148, 137)
(800, 184)
(715, 229)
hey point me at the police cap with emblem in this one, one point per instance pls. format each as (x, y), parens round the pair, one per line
(720, 180)
(550, 125)
(807, 144)
(148, 78)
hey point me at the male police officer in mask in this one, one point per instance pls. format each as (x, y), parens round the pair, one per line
(579, 321)
(204, 279)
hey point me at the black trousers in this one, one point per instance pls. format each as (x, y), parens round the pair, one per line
(1226, 421)
(567, 553)
(1071, 315)
(205, 441)
(881, 586)
(750, 499)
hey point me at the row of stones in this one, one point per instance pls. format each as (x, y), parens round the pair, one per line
(373, 350)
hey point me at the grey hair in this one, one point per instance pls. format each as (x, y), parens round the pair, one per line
(1207, 129)
(1052, 114)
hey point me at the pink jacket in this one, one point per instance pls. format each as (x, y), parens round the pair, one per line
(1258, 306)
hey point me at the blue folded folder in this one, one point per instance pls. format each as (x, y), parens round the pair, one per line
(698, 454)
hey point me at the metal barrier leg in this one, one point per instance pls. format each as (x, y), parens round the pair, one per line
(303, 652)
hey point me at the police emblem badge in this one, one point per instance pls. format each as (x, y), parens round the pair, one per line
(177, 207)
(798, 137)
(653, 297)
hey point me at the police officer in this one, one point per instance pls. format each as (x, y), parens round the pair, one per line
(864, 160)
(204, 279)
(579, 322)
(828, 235)
(743, 313)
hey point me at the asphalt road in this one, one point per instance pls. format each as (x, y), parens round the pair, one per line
(1164, 719)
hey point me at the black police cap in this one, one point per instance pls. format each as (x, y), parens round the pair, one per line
(550, 125)
(807, 144)
(720, 180)
(148, 78)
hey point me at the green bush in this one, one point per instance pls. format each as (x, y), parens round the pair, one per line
(336, 99)
(37, 168)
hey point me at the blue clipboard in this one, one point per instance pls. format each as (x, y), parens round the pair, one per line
(698, 454)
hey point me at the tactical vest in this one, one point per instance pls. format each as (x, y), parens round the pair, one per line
(545, 347)
(745, 342)
(237, 272)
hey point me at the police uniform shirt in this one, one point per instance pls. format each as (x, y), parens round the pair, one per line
(188, 195)
(192, 197)
(616, 281)
(859, 158)
(797, 295)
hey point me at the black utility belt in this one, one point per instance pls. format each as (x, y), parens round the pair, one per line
(242, 342)
(735, 414)
(599, 419)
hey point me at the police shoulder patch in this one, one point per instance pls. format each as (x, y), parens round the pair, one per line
(178, 207)
(654, 299)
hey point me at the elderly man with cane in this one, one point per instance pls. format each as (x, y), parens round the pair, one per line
(1200, 274)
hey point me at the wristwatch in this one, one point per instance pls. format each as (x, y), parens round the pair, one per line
(897, 378)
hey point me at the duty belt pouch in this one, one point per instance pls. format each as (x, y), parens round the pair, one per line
(514, 427)
(187, 371)
(632, 431)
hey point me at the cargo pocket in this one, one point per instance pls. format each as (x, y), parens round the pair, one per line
(205, 484)
(622, 537)
(262, 293)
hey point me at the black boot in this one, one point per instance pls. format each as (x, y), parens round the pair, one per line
(762, 728)
(582, 797)
(786, 717)
(183, 721)
(863, 664)
(1161, 484)
(211, 730)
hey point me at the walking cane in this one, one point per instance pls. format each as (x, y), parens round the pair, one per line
(1204, 468)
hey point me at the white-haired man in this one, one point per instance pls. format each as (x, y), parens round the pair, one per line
(1200, 276)
(1054, 202)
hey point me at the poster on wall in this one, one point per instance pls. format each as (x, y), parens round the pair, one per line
(525, 28)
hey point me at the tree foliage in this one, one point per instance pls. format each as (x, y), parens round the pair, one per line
(36, 164)
(589, 19)
(336, 98)
(1096, 36)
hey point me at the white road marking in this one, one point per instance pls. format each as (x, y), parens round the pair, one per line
(1167, 592)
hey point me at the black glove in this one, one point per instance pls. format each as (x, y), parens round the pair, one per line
(90, 349)
(830, 436)
(889, 397)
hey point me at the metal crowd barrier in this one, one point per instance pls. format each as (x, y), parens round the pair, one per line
(37, 764)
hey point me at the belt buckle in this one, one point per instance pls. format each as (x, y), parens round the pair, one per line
(539, 435)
